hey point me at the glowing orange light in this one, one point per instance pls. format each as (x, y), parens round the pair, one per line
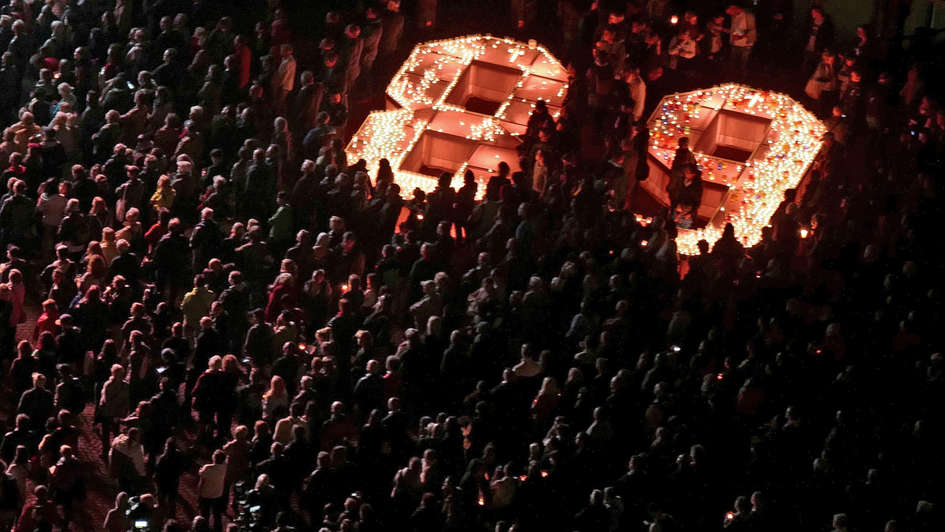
(673, 19)
(481, 501)
(729, 516)
(644, 243)
(755, 188)
(544, 474)
(719, 376)
(804, 233)
(420, 216)
(523, 478)
(420, 91)
(344, 288)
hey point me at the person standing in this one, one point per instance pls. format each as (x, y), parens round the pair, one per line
(821, 87)
(167, 472)
(284, 82)
(637, 92)
(742, 36)
(210, 489)
(426, 14)
(372, 33)
(819, 36)
(393, 29)
(352, 50)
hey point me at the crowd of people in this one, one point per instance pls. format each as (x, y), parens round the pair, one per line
(262, 335)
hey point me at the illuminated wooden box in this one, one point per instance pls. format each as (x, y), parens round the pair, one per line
(459, 104)
(751, 146)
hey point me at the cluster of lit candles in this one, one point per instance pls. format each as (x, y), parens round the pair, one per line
(794, 140)
(426, 79)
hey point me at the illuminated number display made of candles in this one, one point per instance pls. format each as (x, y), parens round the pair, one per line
(751, 146)
(456, 105)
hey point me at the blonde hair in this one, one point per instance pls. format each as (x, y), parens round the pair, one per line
(276, 386)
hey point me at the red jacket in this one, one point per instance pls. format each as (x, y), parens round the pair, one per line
(46, 322)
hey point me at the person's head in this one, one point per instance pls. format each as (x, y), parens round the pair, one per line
(175, 226)
(817, 14)
(742, 505)
(330, 59)
(277, 386)
(21, 456)
(734, 9)
(840, 521)
(862, 32)
(504, 169)
(39, 380)
(50, 306)
(426, 251)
